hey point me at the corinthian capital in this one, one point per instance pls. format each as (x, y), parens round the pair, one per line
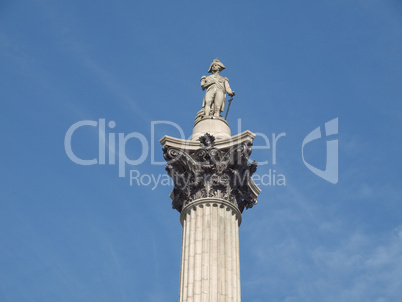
(212, 170)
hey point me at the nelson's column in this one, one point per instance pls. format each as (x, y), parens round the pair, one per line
(212, 186)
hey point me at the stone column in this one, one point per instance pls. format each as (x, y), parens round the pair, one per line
(212, 187)
(210, 266)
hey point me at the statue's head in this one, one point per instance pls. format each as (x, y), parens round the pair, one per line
(218, 64)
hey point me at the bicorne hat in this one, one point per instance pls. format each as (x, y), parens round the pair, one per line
(216, 61)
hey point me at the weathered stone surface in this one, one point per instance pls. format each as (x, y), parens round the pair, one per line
(210, 263)
(212, 187)
(216, 126)
(210, 171)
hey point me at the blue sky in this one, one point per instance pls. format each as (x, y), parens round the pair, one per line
(81, 233)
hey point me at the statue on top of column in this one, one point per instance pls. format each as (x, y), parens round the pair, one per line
(217, 87)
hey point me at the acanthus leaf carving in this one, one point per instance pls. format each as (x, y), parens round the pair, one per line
(211, 172)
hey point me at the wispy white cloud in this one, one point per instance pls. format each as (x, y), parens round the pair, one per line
(320, 258)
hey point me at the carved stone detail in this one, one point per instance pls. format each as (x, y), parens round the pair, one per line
(212, 172)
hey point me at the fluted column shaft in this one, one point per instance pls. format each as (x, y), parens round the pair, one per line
(210, 266)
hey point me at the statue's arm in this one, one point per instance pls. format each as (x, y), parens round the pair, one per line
(204, 82)
(228, 89)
